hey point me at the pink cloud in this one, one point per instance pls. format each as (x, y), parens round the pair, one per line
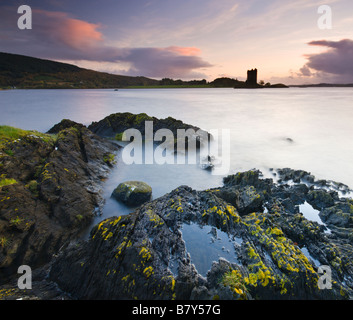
(74, 33)
(185, 51)
(59, 36)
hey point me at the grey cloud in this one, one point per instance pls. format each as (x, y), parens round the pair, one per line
(336, 61)
(162, 62)
(56, 35)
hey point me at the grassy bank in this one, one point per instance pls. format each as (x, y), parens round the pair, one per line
(9, 134)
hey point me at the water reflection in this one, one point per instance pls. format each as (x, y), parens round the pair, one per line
(206, 244)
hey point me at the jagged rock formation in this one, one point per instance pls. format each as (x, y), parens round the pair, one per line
(115, 124)
(54, 195)
(271, 251)
(249, 239)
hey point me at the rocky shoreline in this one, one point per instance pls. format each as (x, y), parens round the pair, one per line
(267, 248)
(55, 194)
(144, 256)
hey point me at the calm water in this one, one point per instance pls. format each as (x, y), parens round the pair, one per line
(207, 244)
(309, 129)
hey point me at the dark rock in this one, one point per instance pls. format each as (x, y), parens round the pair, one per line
(115, 124)
(272, 254)
(320, 199)
(64, 124)
(133, 192)
(246, 191)
(42, 289)
(250, 200)
(56, 195)
(144, 255)
(296, 175)
(339, 215)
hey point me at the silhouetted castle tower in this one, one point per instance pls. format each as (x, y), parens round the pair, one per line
(252, 77)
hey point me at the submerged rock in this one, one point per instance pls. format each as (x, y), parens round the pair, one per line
(265, 254)
(133, 192)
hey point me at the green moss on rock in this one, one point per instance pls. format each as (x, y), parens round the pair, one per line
(133, 192)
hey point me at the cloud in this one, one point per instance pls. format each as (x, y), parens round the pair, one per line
(77, 34)
(305, 71)
(163, 62)
(56, 35)
(335, 64)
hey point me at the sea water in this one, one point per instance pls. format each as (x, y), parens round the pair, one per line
(301, 128)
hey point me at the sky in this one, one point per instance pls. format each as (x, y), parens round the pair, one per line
(291, 42)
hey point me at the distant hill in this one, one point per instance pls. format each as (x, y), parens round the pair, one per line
(23, 72)
(32, 73)
(323, 85)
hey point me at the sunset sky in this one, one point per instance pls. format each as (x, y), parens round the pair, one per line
(188, 39)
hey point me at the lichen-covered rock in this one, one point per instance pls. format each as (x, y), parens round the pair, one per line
(339, 215)
(266, 254)
(133, 192)
(119, 122)
(115, 124)
(55, 196)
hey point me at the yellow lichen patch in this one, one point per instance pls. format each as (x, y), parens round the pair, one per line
(145, 254)
(283, 287)
(177, 205)
(232, 211)
(155, 218)
(4, 293)
(259, 272)
(109, 235)
(47, 173)
(98, 228)
(100, 225)
(223, 212)
(235, 281)
(120, 247)
(288, 257)
(126, 278)
(104, 228)
(115, 221)
(274, 231)
(148, 271)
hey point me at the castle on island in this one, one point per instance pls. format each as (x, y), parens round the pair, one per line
(251, 82)
(252, 77)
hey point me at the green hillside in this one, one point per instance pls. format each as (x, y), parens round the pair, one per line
(32, 73)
